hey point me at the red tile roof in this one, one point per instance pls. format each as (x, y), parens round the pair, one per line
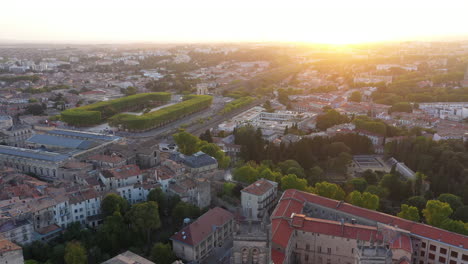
(293, 201)
(107, 158)
(206, 224)
(6, 245)
(259, 187)
(277, 257)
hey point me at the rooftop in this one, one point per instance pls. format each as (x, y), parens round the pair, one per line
(260, 187)
(128, 257)
(32, 154)
(122, 172)
(58, 141)
(206, 224)
(6, 245)
(84, 135)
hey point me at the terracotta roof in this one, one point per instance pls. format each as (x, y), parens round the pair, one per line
(122, 172)
(259, 187)
(48, 229)
(293, 201)
(206, 224)
(6, 246)
(277, 257)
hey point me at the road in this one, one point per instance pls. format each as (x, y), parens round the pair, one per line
(194, 127)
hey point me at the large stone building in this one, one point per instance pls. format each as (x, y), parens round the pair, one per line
(258, 199)
(42, 163)
(196, 241)
(307, 228)
(10, 253)
(251, 243)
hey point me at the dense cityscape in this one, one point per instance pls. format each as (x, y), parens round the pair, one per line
(234, 153)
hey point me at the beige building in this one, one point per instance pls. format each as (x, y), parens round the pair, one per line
(196, 241)
(258, 199)
(307, 228)
(10, 253)
(127, 257)
(251, 243)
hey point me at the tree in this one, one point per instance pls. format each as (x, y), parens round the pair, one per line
(329, 190)
(454, 201)
(365, 200)
(370, 176)
(228, 188)
(436, 212)
(207, 136)
(245, 173)
(330, 118)
(358, 184)
(409, 212)
(75, 253)
(113, 203)
(291, 181)
(112, 234)
(355, 97)
(417, 201)
(162, 254)
(34, 109)
(461, 213)
(144, 218)
(286, 130)
(184, 210)
(187, 143)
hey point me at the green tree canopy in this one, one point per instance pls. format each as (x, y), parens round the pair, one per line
(436, 212)
(75, 253)
(329, 190)
(355, 96)
(144, 218)
(162, 254)
(112, 203)
(291, 181)
(409, 212)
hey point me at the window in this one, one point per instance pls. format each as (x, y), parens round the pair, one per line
(306, 257)
(432, 248)
(423, 253)
(319, 249)
(465, 257)
(443, 251)
(453, 262)
(442, 259)
(431, 256)
(423, 244)
(328, 251)
(307, 247)
(454, 254)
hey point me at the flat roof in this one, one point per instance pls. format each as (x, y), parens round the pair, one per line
(65, 142)
(32, 154)
(87, 135)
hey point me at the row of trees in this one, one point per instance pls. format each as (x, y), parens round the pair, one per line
(144, 228)
(98, 112)
(161, 116)
(238, 103)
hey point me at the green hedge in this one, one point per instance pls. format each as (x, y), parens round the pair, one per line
(238, 103)
(161, 116)
(98, 112)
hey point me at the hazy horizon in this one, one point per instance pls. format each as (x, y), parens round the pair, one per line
(208, 21)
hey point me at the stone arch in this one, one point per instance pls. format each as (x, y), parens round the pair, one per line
(245, 255)
(255, 255)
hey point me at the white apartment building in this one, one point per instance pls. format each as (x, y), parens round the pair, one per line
(258, 198)
(449, 111)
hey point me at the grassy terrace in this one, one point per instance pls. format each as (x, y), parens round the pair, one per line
(162, 116)
(97, 113)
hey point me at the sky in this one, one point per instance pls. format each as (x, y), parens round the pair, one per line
(325, 21)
